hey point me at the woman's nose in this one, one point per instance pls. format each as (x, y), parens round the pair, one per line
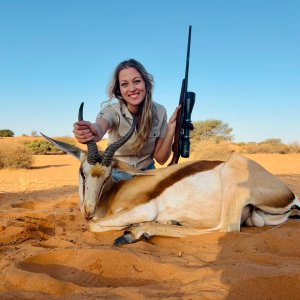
(131, 87)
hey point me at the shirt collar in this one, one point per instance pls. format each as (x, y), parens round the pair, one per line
(124, 110)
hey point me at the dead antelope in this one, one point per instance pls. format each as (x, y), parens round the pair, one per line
(191, 198)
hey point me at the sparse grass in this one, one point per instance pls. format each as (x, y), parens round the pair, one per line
(210, 150)
(207, 150)
(15, 156)
(294, 147)
(16, 152)
(270, 148)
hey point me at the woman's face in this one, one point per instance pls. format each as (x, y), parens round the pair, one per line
(132, 88)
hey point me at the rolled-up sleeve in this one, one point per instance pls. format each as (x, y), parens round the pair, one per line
(110, 115)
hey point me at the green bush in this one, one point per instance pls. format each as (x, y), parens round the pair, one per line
(42, 147)
(6, 133)
(211, 130)
(15, 156)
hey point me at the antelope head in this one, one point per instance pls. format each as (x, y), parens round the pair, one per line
(95, 168)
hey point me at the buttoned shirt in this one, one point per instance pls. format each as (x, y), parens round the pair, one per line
(120, 121)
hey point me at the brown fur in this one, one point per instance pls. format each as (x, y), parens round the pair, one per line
(141, 189)
(241, 182)
(97, 170)
(196, 167)
(273, 193)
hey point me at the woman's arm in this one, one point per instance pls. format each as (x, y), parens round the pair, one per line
(85, 131)
(163, 146)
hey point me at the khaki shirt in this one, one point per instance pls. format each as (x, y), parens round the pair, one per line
(120, 121)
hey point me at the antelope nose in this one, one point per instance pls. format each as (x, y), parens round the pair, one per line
(88, 216)
(295, 207)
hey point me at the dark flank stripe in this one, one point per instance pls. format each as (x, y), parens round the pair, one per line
(186, 171)
(143, 189)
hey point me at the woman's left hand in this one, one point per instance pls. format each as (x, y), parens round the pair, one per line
(172, 121)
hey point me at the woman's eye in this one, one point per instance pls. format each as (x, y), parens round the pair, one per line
(137, 81)
(124, 84)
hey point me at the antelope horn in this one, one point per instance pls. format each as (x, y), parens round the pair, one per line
(112, 148)
(93, 154)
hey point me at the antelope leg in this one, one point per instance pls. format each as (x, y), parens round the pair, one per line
(146, 230)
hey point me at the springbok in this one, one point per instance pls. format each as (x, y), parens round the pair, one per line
(190, 198)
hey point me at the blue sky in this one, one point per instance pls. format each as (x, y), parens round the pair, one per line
(244, 64)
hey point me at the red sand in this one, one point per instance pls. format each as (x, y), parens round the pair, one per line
(47, 253)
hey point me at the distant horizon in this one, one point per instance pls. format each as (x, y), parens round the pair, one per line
(244, 61)
(106, 137)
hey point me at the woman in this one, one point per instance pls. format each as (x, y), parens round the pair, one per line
(132, 85)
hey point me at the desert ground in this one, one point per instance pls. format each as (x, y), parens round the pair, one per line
(46, 251)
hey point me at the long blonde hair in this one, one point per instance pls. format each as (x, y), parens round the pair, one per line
(146, 106)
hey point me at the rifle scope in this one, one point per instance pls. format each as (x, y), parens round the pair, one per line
(186, 125)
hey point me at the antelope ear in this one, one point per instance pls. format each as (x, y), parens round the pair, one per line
(127, 168)
(70, 149)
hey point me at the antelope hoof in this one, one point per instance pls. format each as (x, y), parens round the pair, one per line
(294, 217)
(127, 238)
(145, 236)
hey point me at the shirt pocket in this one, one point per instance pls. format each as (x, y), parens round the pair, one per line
(149, 147)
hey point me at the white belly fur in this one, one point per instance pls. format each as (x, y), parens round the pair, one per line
(194, 201)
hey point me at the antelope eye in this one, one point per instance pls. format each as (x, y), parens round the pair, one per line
(82, 175)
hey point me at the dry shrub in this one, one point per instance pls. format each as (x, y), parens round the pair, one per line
(15, 156)
(267, 148)
(208, 150)
(295, 147)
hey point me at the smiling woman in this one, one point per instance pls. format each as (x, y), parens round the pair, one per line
(133, 89)
(152, 139)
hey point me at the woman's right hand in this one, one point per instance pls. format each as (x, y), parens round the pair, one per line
(85, 131)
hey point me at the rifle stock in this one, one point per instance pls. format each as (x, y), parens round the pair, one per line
(181, 144)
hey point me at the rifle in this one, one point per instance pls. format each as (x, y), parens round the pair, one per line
(181, 144)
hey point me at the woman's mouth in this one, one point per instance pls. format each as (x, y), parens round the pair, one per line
(134, 96)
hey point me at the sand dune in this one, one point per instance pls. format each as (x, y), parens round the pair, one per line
(47, 252)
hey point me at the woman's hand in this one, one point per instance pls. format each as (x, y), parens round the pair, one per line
(172, 121)
(85, 131)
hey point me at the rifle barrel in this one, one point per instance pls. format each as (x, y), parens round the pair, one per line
(188, 59)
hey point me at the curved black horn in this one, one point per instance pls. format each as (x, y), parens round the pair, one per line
(112, 148)
(93, 155)
(80, 113)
